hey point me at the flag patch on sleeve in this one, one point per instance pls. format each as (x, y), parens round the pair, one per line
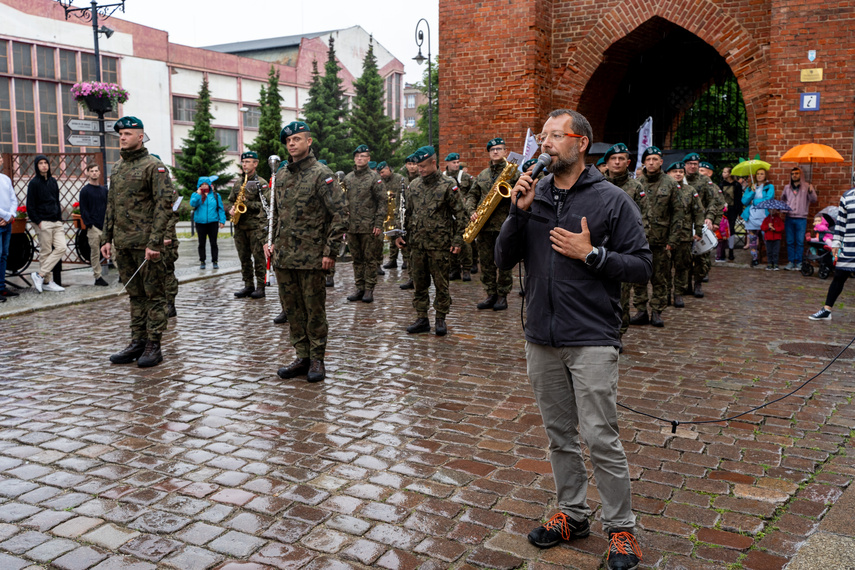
(454, 189)
(329, 180)
(161, 169)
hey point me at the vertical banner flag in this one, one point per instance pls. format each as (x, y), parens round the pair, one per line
(645, 139)
(529, 149)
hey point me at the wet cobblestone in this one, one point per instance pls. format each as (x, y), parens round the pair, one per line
(417, 451)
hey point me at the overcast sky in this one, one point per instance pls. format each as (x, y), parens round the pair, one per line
(197, 24)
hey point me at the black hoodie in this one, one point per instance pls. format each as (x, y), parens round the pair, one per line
(43, 196)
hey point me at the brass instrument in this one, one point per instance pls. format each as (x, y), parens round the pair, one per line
(501, 189)
(240, 206)
(389, 222)
(400, 217)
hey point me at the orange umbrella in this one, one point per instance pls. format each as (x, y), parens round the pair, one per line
(812, 152)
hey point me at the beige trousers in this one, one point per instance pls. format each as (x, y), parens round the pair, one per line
(51, 247)
(94, 235)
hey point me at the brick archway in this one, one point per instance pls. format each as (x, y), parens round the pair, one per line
(745, 57)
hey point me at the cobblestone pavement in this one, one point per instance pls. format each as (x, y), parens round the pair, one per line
(417, 451)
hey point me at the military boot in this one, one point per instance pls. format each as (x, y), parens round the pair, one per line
(170, 311)
(408, 285)
(678, 301)
(130, 353)
(441, 329)
(466, 275)
(369, 296)
(640, 318)
(391, 264)
(454, 275)
(380, 271)
(501, 303)
(299, 367)
(330, 281)
(258, 293)
(474, 269)
(656, 319)
(360, 293)
(317, 372)
(280, 318)
(489, 302)
(699, 292)
(152, 355)
(419, 326)
(245, 292)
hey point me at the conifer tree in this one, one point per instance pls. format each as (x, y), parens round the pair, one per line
(201, 153)
(267, 143)
(411, 141)
(325, 113)
(368, 123)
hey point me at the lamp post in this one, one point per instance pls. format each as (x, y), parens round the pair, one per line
(420, 38)
(91, 13)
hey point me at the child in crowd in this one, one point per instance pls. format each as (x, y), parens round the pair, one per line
(773, 230)
(722, 234)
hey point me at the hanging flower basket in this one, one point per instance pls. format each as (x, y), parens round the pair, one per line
(99, 97)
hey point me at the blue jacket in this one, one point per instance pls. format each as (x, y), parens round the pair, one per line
(211, 210)
(748, 199)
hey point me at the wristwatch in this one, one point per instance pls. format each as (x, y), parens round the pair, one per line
(591, 258)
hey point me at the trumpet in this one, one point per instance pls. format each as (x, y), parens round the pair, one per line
(501, 189)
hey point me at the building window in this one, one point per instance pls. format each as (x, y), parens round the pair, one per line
(4, 57)
(411, 122)
(25, 115)
(183, 109)
(87, 67)
(398, 113)
(228, 138)
(411, 101)
(67, 65)
(109, 73)
(22, 58)
(44, 60)
(251, 117)
(5, 116)
(48, 116)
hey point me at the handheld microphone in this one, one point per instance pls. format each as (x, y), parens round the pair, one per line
(543, 161)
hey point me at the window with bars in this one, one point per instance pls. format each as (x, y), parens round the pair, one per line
(4, 56)
(5, 116)
(87, 67)
(251, 117)
(109, 70)
(46, 67)
(67, 65)
(48, 116)
(22, 58)
(25, 115)
(183, 109)
(228, 138)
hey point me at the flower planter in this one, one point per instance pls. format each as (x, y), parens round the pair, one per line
(78, 221)
(98, 104)
(19, 225)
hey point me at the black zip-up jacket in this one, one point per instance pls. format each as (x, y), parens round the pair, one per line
(570, 303)
(93, 205)
(43, 197)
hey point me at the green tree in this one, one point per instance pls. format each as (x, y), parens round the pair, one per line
(269, 125)
(325, 112)
(411, 141)
(368, 123)
(201, 153)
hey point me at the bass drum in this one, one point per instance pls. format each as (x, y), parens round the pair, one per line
(81, 244)
(21, 253)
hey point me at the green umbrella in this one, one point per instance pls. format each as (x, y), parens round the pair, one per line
(750, 167)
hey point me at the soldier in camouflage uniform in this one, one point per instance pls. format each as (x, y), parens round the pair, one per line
(497, 282)
(617, 172)
(461, 264)
(393, 183)
(435, 220)
(690, 214)
(139, 212)
(412, 171)
(713, 201)
(249, 231)
(309, 220)
(366, 201)
(662, 200)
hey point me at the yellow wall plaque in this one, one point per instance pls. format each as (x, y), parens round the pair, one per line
(809, 75)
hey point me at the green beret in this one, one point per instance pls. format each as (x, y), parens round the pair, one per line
(705, 164)
(411, 158)
(249, 154)
(651, 150)
(601, 161)
(157, 156)
(128, 122)
(372, 165)
(692, 156)
(293, 128)
(361, 148)
(676, 165)
(323, 161)
(495, 142)
(451, 157)
(382, 165)
(529, 163)
(616, 149)
(423, 154)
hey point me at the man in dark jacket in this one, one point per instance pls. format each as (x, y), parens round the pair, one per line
(93, 207)
(581, 237)
(45, 213)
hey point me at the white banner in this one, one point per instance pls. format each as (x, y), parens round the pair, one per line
(645, 139)
(529, 149)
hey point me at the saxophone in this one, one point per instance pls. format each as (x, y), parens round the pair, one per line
(240, 206)
(501, 189)
(389, 222)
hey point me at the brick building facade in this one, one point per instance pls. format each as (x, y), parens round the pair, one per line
(522, 59)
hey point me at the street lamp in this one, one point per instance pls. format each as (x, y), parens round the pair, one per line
(92, 13)
(420, 59)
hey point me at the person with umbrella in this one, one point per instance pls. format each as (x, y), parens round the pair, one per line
(798, 196)
(843, 249)
(760, 191)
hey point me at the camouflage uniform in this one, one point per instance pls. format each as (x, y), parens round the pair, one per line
(689, 219)
(496, 281)
(393, 192)
(635, 191)
(139, 211)
(170, 256)
(309, 220)
(713, 203)
(435, 220)
(366, 200)
(661, 191)
(463, 260)
(250, 233)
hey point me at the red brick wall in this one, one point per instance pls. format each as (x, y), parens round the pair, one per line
(505, 65)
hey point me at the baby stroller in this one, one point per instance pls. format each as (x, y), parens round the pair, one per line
(819, 250)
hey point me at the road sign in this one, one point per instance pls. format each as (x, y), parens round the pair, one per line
(808, 101)
(89, 126)
(84, 140)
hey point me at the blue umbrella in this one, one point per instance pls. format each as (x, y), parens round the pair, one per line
(773, 205)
